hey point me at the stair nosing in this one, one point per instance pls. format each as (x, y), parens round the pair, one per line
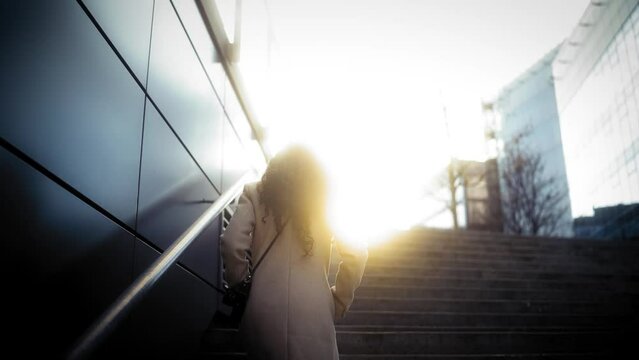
(534, 290)
(456, 278)
(456, 313)
(400, 299)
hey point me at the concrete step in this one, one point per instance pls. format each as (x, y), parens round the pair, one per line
(488, 306)
(538, 356)
(513, 247)
(418, 342)
(214, 355)
(575, 356)
(604, 251)
(414, 257)
(501, 240)
(478, 237)
(445, 342)
(448, 292)
(505, 254)
(490, 329)
(404, 318)
(529, 284)
(444, 261)
(550, 273)
(612, 261)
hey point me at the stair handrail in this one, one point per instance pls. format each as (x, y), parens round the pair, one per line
(113, 315)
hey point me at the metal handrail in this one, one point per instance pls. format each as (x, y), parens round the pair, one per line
(110, 318)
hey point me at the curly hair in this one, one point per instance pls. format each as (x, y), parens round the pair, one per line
(294, 187)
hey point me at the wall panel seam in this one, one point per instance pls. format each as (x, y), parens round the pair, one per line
(144, 90)
(80, 196)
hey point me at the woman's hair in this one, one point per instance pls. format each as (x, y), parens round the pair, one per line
(294, 187)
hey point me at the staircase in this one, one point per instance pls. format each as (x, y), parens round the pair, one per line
(433, 294)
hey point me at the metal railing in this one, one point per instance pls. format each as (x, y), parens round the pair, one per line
(114, 314)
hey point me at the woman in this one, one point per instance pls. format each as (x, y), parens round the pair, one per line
(291, 308)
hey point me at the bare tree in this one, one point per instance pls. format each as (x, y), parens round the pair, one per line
(454, 181)
(454, 178)
(532, 201)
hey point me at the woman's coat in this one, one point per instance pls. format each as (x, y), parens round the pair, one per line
(291, 308)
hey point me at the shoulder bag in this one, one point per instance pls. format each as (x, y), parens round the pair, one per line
(236, 296)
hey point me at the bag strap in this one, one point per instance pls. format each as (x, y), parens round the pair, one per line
(268, 249)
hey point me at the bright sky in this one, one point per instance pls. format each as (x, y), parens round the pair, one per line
(364, 83)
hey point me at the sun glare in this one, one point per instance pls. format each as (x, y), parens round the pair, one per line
(380, 134)
(375, 90)
(378, 156)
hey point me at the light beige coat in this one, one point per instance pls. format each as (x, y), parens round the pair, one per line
(291, 308)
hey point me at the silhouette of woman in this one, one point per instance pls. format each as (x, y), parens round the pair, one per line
(291, 308)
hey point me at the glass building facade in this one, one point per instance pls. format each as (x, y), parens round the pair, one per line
(528, 105)
(597, 81)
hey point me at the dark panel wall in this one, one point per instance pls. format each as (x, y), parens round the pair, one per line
(181, 89)
(173, 194)
(93, 158)
(68, 102)
(170, 321)
(128, 25)
(62, 261)
(207, 53)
